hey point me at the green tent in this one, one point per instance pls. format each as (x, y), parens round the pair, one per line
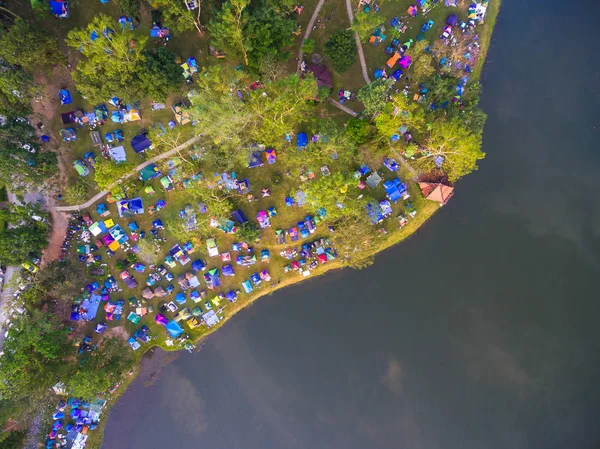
(134, 317)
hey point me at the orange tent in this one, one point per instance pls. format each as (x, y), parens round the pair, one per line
(436, 191)
(393, 60)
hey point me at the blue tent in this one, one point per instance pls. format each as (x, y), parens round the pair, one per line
(65, 96)
(129, 208)
(227, 270)
(302, 140)
(255, 160)
(231, 296)
(100, 327)
(247, 285)
(394, 189)
(59, 8)
(174, 329)
(180, 298)
(140, 143)
(452, 20)
(198, 265)
(238, 215)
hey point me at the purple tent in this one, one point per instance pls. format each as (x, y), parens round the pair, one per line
(452, 20)
(404, 62)
(161, 319)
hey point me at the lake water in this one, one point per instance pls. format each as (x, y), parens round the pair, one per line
(479, 332)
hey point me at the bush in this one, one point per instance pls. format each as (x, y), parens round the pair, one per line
(323, 93)
(308, 46)
(341, 49)
(358, 130)
(248, 232)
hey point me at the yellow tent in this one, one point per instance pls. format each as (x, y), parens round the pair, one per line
(109, 223)
(114, 246)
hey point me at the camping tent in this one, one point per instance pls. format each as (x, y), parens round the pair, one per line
(255, 160)
(302, 140)
(131, 207)
(227, 270)
(404, 62)
(65, 96)
(271, 155)
(140, 143)
(174, 329)
(149, 172)
(59, 8)
(452, 20)
(161, 319)
(181, 114)
(238, 215)
(118, 154)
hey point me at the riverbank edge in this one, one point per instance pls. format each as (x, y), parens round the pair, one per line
(95, 440)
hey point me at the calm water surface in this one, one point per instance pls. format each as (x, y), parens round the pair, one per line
(480, 332)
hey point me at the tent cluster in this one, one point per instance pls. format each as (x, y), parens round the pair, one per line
(71, 421)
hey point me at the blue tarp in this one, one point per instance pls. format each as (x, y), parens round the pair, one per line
(174, 329)
(302, 140)
(198, 265)
(140, 143)
(255, 160)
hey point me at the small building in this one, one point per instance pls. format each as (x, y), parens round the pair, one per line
(437, 191)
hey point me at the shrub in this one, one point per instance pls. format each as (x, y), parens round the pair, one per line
(308, 46)
(341, 49)
(323, 93)
(358, 129)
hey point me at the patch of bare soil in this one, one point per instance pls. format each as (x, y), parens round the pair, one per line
(118, 332)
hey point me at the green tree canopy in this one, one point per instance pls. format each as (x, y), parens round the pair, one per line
(365, 22)
(162, 75)
(400, 111)
(24, 237)
(33, 358)
(374, 96)
(269, 36)
(337, 193)
(17, 91)
(353, 239)
(227, 29)
(341, 49)
(177, 16)
(358, 129)
(100, 369)
(112, 63)
(28, 46)
(286, 102)
(22, 161)
(456, 145)
(109, 172)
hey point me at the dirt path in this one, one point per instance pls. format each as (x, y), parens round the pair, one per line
(141, 166)
(58, 233)
(361, 55)
(309, 28)
(340, 106)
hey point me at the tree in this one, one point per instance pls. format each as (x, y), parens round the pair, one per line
(100, 369)
(108, 173)
(400, 111)
(13, 440)
(76, 193)
(341, 49)
(29, 46)
(422, 66)
(61, 280)
(17, 91)
(268, 34)
(453, 148)
(112, 62)
(282, 105)
(178, 16)
(337, 193)
(162, 74)
(22, 161)
(130, 8)
(227, 29)
(282, 6)
(24, 236)
(33, 358)
(374, 96)
(364, 23)
(353, 240)
(358, 129)
(248, 232)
